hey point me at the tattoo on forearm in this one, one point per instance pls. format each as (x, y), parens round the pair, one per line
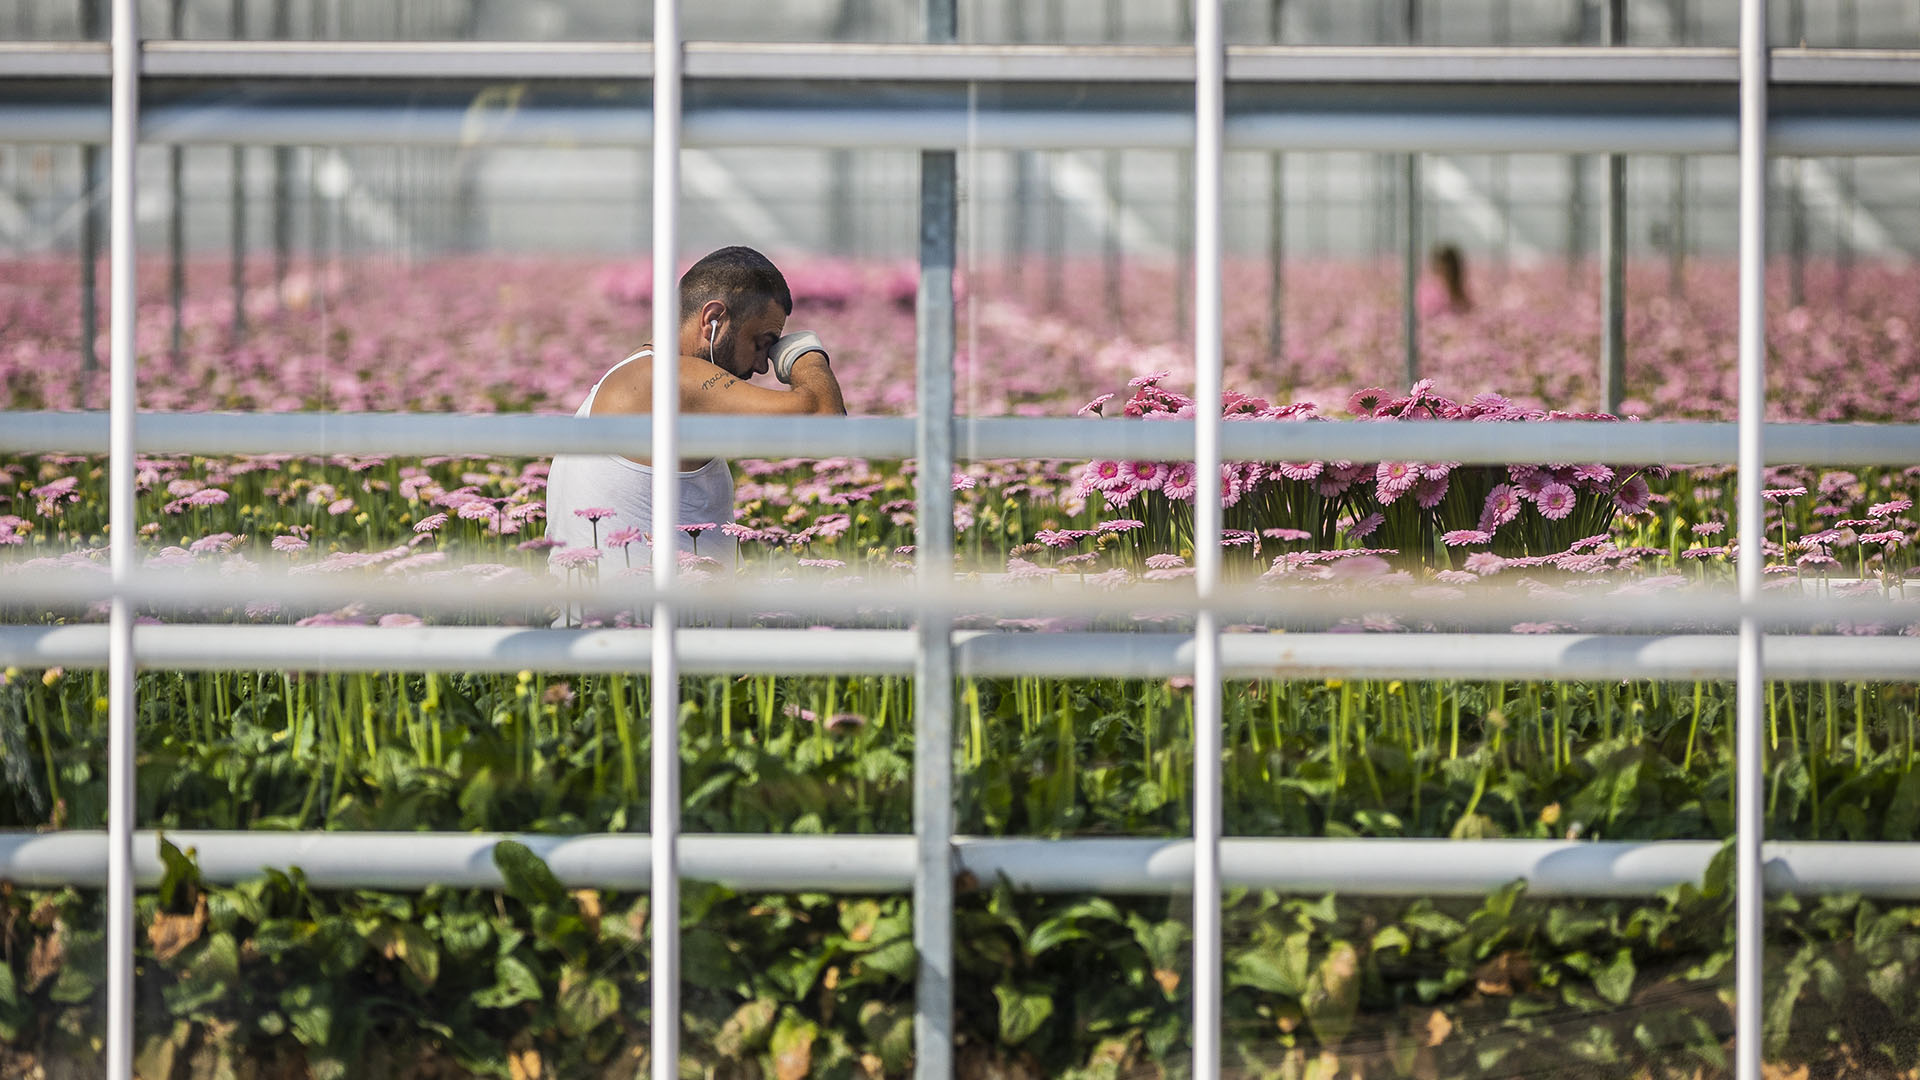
(722, 380)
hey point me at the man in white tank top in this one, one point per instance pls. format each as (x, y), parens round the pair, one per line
(733, 311)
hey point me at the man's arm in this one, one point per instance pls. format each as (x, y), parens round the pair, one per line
(705, 388)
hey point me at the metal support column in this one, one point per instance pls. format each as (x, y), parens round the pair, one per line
(933, 566)
(1410, 232)
(1613, 286)
(282, 183)
(1110, 173)
(91, 181)
(1750, 692)
(1209, 46)
(123, 525)
(237, 206)
(1276, 225)
(176, 216)
(1677, 227)
(664, 796)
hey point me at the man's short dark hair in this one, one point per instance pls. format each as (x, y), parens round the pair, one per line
(739, 277)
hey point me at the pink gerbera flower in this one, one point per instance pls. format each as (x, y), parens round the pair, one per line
(334, 508)
(1145, 475)
(1297, 470)
(289, 544)
(1888, 509)
(1180, 482)
(1366, 525)
(594, 513)
(1463, 537)
(1555, 501)
(623, 537)
(1634, 496)
(1394, 479)
(429, 523)
(1503, 505)
(1092, 408)
(1106, 475)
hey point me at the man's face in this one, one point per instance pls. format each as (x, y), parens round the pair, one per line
(742, 346)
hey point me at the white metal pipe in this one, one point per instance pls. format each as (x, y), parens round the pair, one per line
(1070, 438)
(972, 62)
(884, 863)
(1009, 129)
(978, 654)
(1750, 695)
(204, 593)
(1209, 147)
(123, 520)
(664, 794)
(933, 809)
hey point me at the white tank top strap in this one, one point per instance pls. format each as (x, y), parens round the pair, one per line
(586, 407)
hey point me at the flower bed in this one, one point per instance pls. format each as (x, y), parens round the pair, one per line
(537, 980)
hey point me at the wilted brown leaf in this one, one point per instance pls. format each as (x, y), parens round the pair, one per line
(171, 934)
(49, 955)
(794, 1059)
(1502, 975)
(1434, 1029)
(1169, 980)
(524, 1064)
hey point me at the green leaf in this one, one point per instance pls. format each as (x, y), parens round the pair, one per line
(1022, 1010)
(1615, 981)
(585, 1003)
(747, 1029)
(792, 1047)
(1278, 968)
(1901, 822)
(513, 983)
(179, 876)
(1391, 938)
(528, 879)
(1333, 994)
(1785, 996)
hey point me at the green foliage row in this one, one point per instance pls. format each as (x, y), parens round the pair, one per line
(273, 978)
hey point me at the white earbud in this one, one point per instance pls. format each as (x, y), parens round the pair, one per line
(713, 335)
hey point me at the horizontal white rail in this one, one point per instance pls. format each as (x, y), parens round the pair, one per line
(855, 864)
(541, 435)
(795, 123)
(976, 653)
(993, 63)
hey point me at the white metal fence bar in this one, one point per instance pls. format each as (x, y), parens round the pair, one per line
(664, 796)
(1209, 96)
(983, 654)
(1570, 66)
(1070, 438)
(203, 593)
(1750, 527)
(934, 331)
(122, 514)
(885, 863)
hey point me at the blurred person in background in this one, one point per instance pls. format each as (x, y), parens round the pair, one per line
(1445, 287)
(733, 312)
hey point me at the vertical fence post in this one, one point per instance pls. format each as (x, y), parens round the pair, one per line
(123, 526)
(1209, 97)
(1750, 691)
(933, 559)
(664, 819)
(1410, 232)
(1613, 287)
